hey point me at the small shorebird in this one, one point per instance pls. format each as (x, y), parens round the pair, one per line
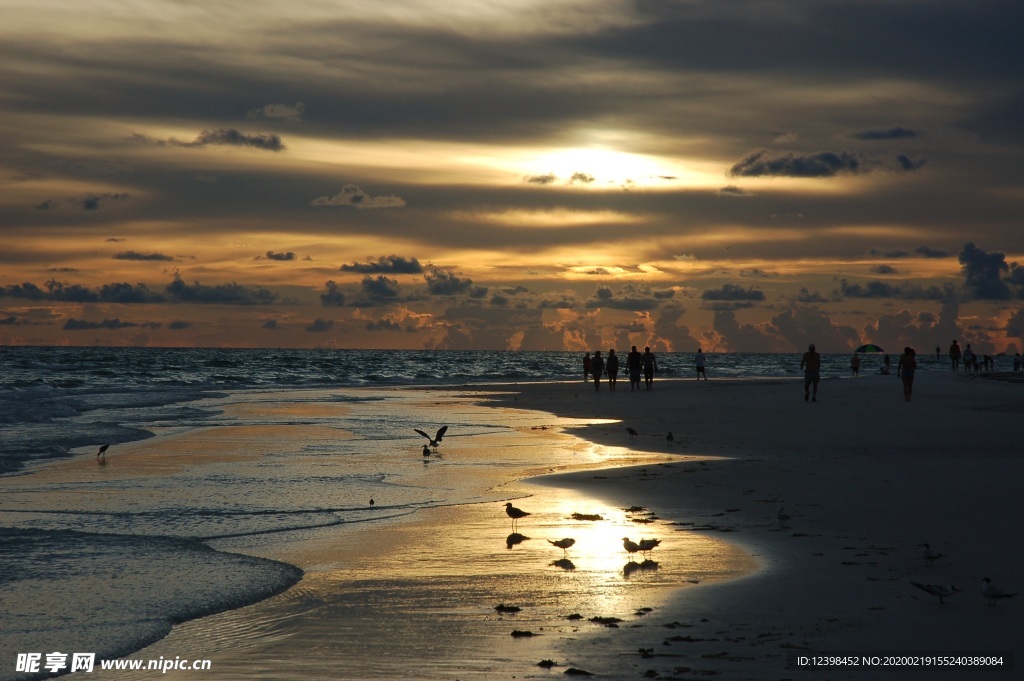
(648, 545)
(436, 440)
(940, 590)
(514, 513)
(670, 437)
(783, 518)
(563, 544)
(632, 433)
(630, 546)
(426, 450)
(102, 454)
(992, 593)
(928, 555)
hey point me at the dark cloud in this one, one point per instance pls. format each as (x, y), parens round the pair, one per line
(111, 324)
(805, 296)
(901, 291)
(224, 294)
(987, 276)
(541, 179)
(220, 137)
(135, 255)
(281, 257)
(179, 325)
(271, 325)
(896, 133)
(929, 252)
(351, 195)
(90, 202)
(8, 321)
(823, 164)
(732, 292)
(380, 286)
(334, 297)
(883, 269)
(582, 178)
(442, 282)
(390, 264)
(733, 192)
(319, 325)
(907, 164)
(129, 293)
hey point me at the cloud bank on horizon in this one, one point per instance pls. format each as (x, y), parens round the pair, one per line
(558, 175)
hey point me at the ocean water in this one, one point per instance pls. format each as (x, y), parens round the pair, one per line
(106, 558)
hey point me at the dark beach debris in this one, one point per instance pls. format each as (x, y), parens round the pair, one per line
(725, 655)
(644, 611)
(635, 509)
(501, 607)
(574, 617)
(547, 664)
(606, 621)
(645, 520)
(646, 652)
(677, 625)
(517, 633)
(688, 639)
(577, 672)
(587, 516)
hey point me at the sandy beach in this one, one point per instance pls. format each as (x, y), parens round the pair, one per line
(864, 478)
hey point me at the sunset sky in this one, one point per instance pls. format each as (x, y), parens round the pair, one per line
(742, 175)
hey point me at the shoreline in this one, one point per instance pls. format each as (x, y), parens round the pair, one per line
(850, 547)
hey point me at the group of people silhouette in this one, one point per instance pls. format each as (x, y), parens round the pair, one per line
(638, 364)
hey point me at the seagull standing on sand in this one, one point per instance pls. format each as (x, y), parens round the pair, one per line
(630, 546)
(436, 440)
(563, 544)
(940, 590)
(648, 545)
(670, 437)
(426, 451)
(102, 454)
(992, 593)
(514, 513)
(929, 555)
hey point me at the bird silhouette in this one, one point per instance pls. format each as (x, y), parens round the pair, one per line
(514, 513)
(436, 440)
(670, 437)
(632, 433)
(426, 450)
(783, 518)
(648, 545)
(630, 546)
(563, 544)
(101, 455)
(992, 593)
(940, 590)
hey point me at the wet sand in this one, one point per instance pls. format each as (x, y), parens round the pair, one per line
(863, 476)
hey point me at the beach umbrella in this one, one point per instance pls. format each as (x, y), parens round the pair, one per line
(870, 347)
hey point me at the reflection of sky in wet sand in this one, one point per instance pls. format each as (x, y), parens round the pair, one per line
(414, 597)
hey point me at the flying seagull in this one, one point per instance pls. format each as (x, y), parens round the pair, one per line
(940, 590)
(992, 593)
(514, 513)
(929, 555)
(563, 544)
(102, 454)
(436, 440)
